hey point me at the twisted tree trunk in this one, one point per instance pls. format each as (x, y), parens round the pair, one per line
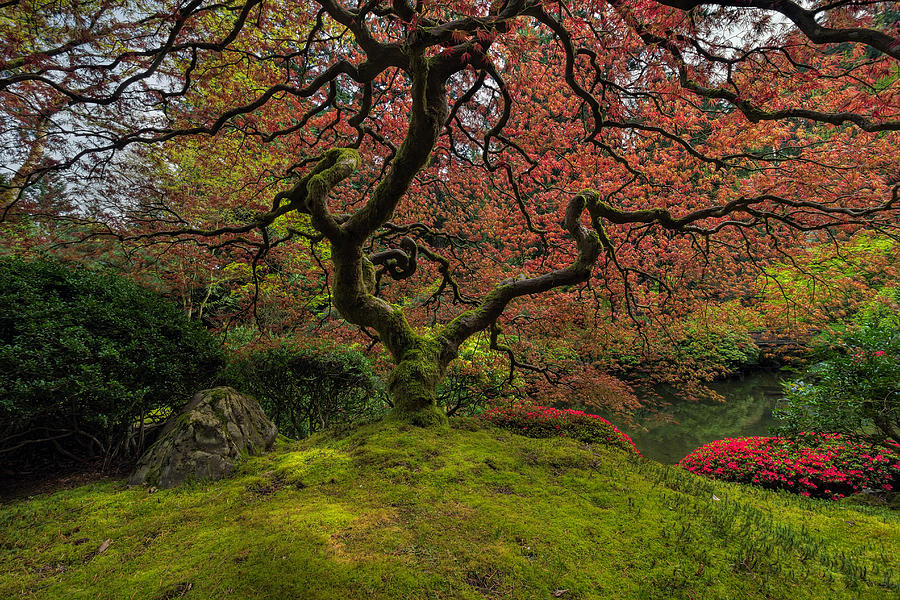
(420, 360)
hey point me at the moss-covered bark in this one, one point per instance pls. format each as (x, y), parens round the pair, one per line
(413, 383)
(420, 361)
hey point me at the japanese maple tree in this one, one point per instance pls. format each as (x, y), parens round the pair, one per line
(451, 157)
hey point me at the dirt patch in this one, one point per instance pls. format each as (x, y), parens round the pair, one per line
(272, 483)
(176, 591)
(487, 581)
(354, 542)
(17, 485)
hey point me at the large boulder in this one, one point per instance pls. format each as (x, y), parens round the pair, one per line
(205, 439)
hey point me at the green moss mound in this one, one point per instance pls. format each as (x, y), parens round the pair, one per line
(468, 512)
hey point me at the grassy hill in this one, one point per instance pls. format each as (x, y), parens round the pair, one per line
(391, 511)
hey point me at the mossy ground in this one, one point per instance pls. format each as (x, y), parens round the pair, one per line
(394, 511)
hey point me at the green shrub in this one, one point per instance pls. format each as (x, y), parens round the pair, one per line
(306, 390)
(854, 388)
(475, 380)
(713, 353)
(85, 355)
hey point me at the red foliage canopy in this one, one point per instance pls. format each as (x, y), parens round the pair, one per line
(461, 154)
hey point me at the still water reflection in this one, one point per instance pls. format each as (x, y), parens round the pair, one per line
(668, 433)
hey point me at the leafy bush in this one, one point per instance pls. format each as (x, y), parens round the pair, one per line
(543, 422)
(85, 355)
(475, 379)
(712, 353)
(854, 389)
(305, 390)
(703, 345)
(822, 466)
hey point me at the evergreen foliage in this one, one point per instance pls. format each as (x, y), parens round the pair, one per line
(86, 356)
(306, 390)
(854, 388)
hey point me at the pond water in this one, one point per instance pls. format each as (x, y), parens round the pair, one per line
(666, 434)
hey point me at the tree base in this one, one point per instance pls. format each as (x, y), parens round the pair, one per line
(430, 416)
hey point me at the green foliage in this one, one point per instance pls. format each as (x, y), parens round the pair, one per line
(854, 388)
(474, 380)
(716, 351)
(462, 513)
(305, 390)
(86, 354)
(704, 345)
(827, 282)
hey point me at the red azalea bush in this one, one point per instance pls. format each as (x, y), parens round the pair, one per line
(817, 465)
(542, 422)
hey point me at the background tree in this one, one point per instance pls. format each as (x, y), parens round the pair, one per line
(458, 158)
(854, 386)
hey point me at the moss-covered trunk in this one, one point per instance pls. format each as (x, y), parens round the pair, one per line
(413, 384)
(420, 360)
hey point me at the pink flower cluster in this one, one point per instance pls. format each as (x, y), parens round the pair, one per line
(817, 465)
(543, 421)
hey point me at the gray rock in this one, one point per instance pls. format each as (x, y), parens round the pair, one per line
(205, 439)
